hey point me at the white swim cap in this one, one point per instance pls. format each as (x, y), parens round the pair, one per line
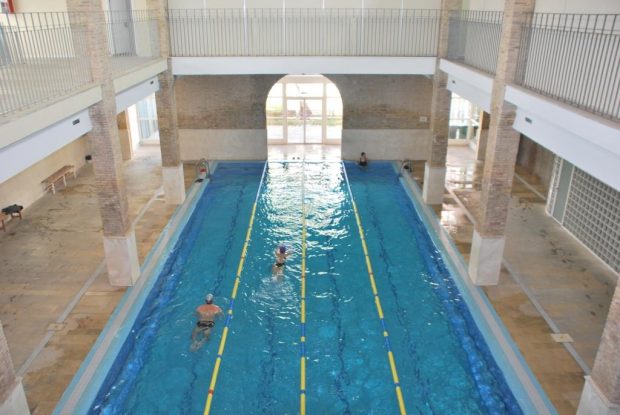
(209, 298)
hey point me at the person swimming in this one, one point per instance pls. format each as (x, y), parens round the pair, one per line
(363, 161)
(207, 314)
(281, 254)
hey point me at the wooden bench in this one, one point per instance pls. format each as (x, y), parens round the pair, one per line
(4, 216)
(58, 175)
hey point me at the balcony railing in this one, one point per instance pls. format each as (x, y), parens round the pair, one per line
(45, 55)
(304, 32)
(41, 56)
(133, 37)
(574, 58)
(474, 38)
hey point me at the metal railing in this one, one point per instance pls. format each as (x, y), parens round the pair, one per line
(133, 37)
(41, 57)
(474, 38)
(303, 32)
(573, 58)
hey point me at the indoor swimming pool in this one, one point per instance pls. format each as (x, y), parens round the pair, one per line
(365, 317)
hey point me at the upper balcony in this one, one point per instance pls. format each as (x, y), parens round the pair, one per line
(44, 56)
(572, 58)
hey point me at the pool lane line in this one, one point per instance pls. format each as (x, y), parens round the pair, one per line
(229, 314)
(302, 351)
(390, 353)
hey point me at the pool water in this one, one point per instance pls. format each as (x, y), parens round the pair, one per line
(442, 361)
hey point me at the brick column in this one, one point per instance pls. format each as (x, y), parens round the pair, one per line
(119, 240)
(172, 168)
(501, 153)
(12, 397)
(483, 135)
(601, 392)
(435, 168)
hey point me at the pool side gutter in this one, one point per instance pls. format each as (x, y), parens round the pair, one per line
(81, 392)
(521, 380)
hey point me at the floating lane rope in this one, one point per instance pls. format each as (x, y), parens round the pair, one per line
(302, 383)
(229, 314)
(399, 393)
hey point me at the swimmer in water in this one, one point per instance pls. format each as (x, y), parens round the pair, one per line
(281, 255)
(207, 314)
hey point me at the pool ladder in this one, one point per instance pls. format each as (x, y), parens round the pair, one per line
(406, 165)
(202, 170)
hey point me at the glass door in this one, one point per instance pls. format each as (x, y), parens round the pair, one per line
(313, 126)
(295, 126)
(305, 121)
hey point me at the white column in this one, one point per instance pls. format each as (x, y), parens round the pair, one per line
(121, 254)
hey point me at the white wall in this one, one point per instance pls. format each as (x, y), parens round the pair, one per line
(40, 5)
(386, 144)
(25, 187)
(557, 6)
(133, 126)
(552, 6)
(223, 144)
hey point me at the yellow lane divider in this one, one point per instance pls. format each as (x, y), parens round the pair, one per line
(371, 276)
(302, 385)
(229, 314)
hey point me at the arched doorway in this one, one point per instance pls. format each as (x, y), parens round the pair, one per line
(304, 115)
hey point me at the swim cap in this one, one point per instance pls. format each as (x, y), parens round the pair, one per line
(209, 298)
(282, 249)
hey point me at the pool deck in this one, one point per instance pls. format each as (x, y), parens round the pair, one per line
(55, 299)
(549, 282)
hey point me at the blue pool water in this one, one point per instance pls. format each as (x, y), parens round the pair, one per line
(443, 363)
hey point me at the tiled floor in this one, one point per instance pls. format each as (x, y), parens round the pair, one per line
(55, 252)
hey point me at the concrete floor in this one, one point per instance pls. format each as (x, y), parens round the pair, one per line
(55, 299)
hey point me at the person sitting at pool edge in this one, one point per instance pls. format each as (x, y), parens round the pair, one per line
(206, 313)
(281, 256)
(363, 160)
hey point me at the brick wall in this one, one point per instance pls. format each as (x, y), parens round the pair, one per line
(375, 102)
(238, 102)
(229, 102)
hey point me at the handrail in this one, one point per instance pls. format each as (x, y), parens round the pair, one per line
(229, 314)
(303, 32)
(474, 38)
(202, 169)
(375, 292)
(574, 58)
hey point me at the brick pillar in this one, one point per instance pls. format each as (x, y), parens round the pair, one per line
(501, 153)
(124, 136)
(483, 135)
(435, 168)
(119, 240)
(601, 392)
(172, 168)
(12, 396)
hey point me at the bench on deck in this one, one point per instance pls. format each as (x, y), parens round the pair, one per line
(58, 175)
(13, 211)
